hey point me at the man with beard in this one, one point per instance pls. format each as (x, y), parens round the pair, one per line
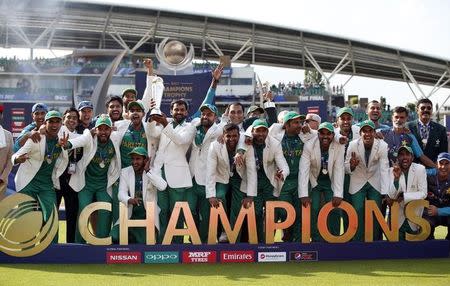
(171, 162)
(322, 166)
(41, 164)
(207, 131)
(374, 113)
(367, 163)
(271, 167)
(225, 176)
(291, 137)
(137, 187)
(86, 112)
(439, 195)
(432, 135)
(38, 112)
(6, 150)
(407, 183)
(97, 171)
(114, 107)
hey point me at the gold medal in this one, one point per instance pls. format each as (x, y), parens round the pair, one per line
(102, 164)
(324, 171)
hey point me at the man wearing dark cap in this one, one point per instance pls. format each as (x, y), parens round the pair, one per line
(38, 112)
(86, 112)
(439, 194)
(322, 165)
(408, 182)
(40, 175)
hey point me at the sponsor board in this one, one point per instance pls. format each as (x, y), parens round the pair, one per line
(199, 256)
(161, 257)
(303, 256)
(128, 257)
(237, 256)
(271, 256)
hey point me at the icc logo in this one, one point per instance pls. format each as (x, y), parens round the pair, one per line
(23, 231)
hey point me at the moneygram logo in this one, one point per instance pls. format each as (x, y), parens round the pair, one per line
(237, 256)
(303, 256)
(23, 231)
(271, 256)
(161, 257)
(199, 257)
(123, 257)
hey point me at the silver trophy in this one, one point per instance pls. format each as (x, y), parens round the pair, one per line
(174, 55)
(157, 90)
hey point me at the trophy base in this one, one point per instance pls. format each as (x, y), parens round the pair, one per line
(155, 112)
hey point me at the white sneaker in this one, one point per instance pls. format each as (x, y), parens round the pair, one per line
(223, 237)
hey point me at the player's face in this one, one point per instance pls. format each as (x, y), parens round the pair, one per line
(368, 135)
(325, 138)
(179, 112)
(399, 119)
(128, 97)
(138, 162)
(404, 159)
(86, 115)
(260, 134)
(443, 167)
(207, 118)
(114, 110)
(103, 133)
(294, 126)
(231, 139)
(136, 114)
(52, 126)
(345, 122)
(424, 110)
(71, 120)
(374, 111)
(39, 117)
(236, 114)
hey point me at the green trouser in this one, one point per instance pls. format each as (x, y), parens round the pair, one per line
(358, 202)
(347, 198)
(236, 201)
(115, 202)
(333, 221)
(85, 197)
(289, 194)
(265, 194)
(135, 234)
(46, 197)
(405, 228)
(199, 205)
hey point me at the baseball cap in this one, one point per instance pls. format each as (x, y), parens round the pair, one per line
(367, 123)
(326, 125)
(139, 151)
(406, 147)
(136, 103)
(103, 119)
(129, 90)
(313, 116)
(211, 107)
(260, 123)
(85, 104)
(53, 114)
(443, 156)
(345, 110)
(39, 107)
(292, 115)
(254, 108)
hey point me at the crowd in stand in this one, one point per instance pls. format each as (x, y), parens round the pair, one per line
(135, 154)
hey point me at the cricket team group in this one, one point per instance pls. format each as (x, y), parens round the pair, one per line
(134, 154)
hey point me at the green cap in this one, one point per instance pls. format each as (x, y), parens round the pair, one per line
(326, 125)
(129, 90)
(103, 119)
(139, 151)
(345, 110)
(367, 123)
(254, 108)
(136, 103)
(211, 107)
(260, 123)
(292, 115)
(53, 114)
(406, 147)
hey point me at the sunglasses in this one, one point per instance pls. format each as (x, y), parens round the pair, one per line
(426, 108)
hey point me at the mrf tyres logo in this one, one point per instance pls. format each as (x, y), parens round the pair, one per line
(199, 256)
(130, 257)
(237, 256)
(161, 257)
(298, 256)
(271, 256)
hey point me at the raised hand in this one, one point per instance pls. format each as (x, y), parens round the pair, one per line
(148, 63)
(268, 96)
(354, 161)
(217, 72)
(396, 170)
(63, 140)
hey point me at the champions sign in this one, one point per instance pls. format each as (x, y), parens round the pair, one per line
(23, 232)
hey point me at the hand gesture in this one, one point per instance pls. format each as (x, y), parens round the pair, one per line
(217, 73)
(343, 140)
(279, 175)
(247, 202)
(396, 170)
(134, 201)
(354, 161)
(432, 210)
(21, 158)
(214, 202)
(148, 63)
(305, 129)
(239, 159)
(268, 96)
(63, 140)
(35, 135)
(305, 201)
(161, 119)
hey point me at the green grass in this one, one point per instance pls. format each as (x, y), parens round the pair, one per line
(375, 272)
